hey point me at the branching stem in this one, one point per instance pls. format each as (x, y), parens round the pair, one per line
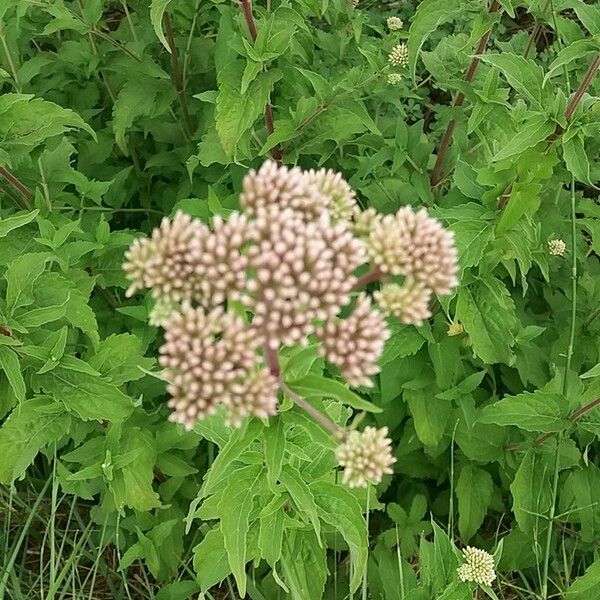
(370, 277)
(436, 173)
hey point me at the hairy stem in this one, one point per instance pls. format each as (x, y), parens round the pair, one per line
(21, 187)
(436, 173)
(246, 6)
(177, 76)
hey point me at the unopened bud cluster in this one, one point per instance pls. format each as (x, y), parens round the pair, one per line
(395, 23)
(478, 567)
(557, 247)
(366, 457)
(398, 57)
(280, 271)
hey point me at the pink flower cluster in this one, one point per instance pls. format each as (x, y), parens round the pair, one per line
(290, 259)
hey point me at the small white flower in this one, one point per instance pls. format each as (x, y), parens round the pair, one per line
(478, 567)
(163, 309)
(398, 57)
(395, 23)
(394, 78)
(557, 247)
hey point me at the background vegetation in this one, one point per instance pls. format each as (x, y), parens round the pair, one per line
(114, 113)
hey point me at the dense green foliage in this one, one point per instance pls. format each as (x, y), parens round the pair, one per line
(115, 113)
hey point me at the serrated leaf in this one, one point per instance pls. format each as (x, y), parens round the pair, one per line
(88, 396)
(340, 509)
(235, 511)
(9, 363)
(317, 386)
(471, 237)
(586, 586)
(474, 493)
(524, 75)
(576, 51)
(210, 560)
(535, 130)
(487, 313)
(429, 16)
(9, 224)
(20, 277)
(157, 11)
(31, 426)
(537, 411)
(274, 449)
(576, 158)
(302, 496)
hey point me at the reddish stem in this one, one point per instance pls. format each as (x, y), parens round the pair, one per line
(574, 417)
(21, 187)
(435, 177)
(370, 277)
(251, 24)
(570, 110)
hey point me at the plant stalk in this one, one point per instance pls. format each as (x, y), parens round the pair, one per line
(374, 275)
(246, 6)
(177, 76)
(436, 173)
(18, 185)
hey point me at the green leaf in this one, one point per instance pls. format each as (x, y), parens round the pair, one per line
(406, 341)
(270, 539)
(11, 223)
(237, 112)
(210, 560)
(157, 11)
(235, 508)
(88, 396)
(20, 277)
(304, 565)
(131, 484)
(487, 313)
(576, 158)
(471, 237)
(430, 415)
(538, 411)
(524, 75)
(474, 493)
(317, 386)
(302, 496)
(340, 509)
(593, 372)
(585, 486)
(429, 16)
(136, 99)
(119, 358)
(31, 426)
(576, 51)
(585, 587)
(535, 130)
(524, 199)
(274, 449)
(9, 363)
(531, 490)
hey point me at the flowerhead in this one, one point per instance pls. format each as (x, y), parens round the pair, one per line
(395, 23)
(394, 78)
(557, 247)
(478, 567)
(366, 457)
(398, 57)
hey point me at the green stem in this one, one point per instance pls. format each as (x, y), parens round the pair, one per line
(365, 583)
(11, 64)
(565, 385)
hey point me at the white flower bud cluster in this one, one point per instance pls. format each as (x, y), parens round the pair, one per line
(303, 273)
(208, 360)
(341, 197)
(557, 247)
(395, 23)
(415, 245)
(408, 302)
(184, 260)
(478, 568)
(394, 78)
(355, 344)
(291, 260)
(366, 457)
(398, 57)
